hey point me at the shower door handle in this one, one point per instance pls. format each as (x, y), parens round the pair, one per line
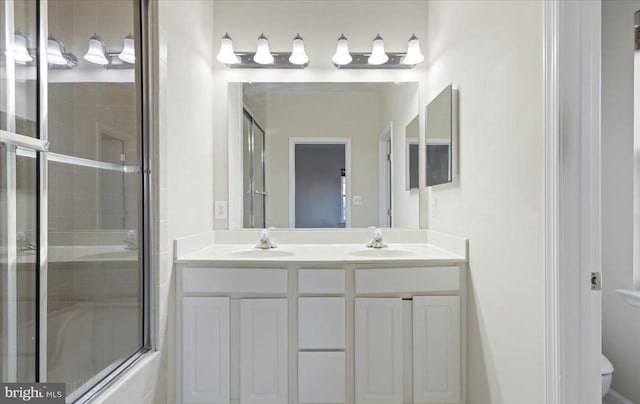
(260, 193)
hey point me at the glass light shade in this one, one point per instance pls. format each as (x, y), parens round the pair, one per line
(263, 55)
(128, 53)
(55, 52)
(414, 56)
(226, 54)
(96, 53)
(20, 52)
(342, 56)
(298, 55)
(378, 57)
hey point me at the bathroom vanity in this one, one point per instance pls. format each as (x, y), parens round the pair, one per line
(321, 318)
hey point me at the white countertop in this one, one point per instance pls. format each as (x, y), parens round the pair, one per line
(404, 246)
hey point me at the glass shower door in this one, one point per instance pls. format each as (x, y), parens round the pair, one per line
(19, 192)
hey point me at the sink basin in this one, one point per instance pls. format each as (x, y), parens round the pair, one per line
(258, 253)
(382, 253)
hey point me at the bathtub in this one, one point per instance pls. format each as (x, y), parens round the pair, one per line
(88, 340)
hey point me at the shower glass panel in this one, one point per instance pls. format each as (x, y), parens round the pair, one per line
(255, 195)
(18, 192)
(95, 300)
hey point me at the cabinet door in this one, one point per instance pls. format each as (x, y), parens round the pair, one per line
(263, 351)
(378, 343)
(205, 350)
(436, 349)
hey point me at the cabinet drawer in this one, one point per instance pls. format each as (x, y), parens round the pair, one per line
(321, 323)
(321, 377)
(321, 281)
(408, 280)
(234, 280)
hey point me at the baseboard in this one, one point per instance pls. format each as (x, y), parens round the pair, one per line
(614, 397)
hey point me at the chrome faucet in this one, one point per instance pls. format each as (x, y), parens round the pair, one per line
(265, 243)
(23, 243)
(131, 242)
(377, 239)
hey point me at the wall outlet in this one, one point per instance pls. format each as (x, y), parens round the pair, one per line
(433, 207)
(357, 200)
(221, 209)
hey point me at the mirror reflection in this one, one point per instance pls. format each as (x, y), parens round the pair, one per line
(318, 155)
(439, 137)
(413, 141)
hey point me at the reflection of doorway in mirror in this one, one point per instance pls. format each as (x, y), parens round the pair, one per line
(112, 211)
(385, 173)
(319, 187)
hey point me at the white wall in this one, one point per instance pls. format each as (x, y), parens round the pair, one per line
(183, 174)
(620, 321)
(320, 23)
(493, 51)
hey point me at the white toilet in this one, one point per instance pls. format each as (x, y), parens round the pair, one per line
(607, 375)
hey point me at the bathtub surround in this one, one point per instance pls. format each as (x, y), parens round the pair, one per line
(620, 320)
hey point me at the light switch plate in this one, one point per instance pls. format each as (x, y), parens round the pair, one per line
(357, 199)
(221, 209)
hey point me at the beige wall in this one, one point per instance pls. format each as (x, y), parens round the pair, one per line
(493, 51)
(320, 23)
(620, 321)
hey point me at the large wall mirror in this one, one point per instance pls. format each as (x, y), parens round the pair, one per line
(316, 155)
(441, 118)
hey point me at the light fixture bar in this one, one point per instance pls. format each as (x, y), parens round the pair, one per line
(361, 61)
(280, 61)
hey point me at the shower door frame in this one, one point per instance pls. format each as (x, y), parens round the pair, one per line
(21, 145)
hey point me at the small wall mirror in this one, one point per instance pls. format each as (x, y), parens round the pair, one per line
(441, 118)
(317, 155)
(412, 153)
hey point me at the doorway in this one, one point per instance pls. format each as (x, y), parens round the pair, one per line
(320, 183)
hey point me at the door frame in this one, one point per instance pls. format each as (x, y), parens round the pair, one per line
(571, 71)
(384, 182)
(293, 141)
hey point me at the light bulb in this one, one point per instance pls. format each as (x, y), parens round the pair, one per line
(20, 51)
(55, 52)
(128, 53)
(96, 53)
(298, 55)
(342, 56)
(378, 57)
(263, 55)
(414, 56)
(226, 54)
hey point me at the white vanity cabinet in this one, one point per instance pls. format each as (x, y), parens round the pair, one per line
(318, 333)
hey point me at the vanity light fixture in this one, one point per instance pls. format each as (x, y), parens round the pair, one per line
(57, 57)
(97, 52)
(298, 55)
(414, 56)
(263, 54)
(128, 53)
(226, 54)
(20, 48)
(378, 56)
(342, 55)
(263, 58)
